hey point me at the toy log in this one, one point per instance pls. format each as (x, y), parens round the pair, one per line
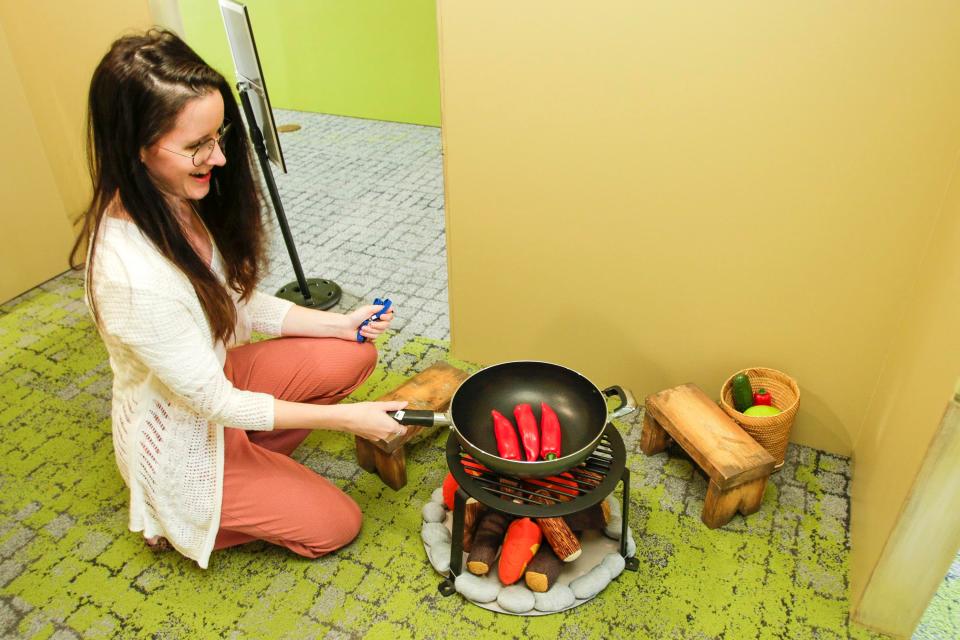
(471, 516)
(486, 541)
(561, 538)
(557, 533)
(595, 517)
(543, 570)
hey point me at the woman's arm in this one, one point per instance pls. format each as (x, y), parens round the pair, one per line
(313, 323)
(163, 336)
(159, 330)
(365, 419)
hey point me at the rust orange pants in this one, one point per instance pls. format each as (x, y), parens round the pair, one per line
(266, 494)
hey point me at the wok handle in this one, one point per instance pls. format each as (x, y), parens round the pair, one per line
(420, 418)
(627, 403)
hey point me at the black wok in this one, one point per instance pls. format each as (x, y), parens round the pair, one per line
(578, 403)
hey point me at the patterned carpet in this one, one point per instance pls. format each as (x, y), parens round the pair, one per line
(69, 568)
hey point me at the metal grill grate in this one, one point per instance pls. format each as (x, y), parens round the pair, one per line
(576, 488)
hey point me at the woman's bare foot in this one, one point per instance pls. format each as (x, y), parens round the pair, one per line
(158, 543)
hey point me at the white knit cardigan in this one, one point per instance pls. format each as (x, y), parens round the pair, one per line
(171, 399)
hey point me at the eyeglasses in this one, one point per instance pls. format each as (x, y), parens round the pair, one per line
(202, 154)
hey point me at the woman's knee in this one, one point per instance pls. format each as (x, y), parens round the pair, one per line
(368, 357)
(332, 369)
(364, 361)
(338, 528)
(351, 521)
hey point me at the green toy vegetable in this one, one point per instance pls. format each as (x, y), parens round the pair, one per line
(742, 392)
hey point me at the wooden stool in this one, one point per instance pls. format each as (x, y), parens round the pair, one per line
(430, 389)
(738, 467)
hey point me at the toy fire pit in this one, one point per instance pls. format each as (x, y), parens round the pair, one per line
(585, 542)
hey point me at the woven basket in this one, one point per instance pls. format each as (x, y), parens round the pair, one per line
(771, 432)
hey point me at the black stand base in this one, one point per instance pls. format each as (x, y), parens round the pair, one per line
(323, 293)
(446, 588)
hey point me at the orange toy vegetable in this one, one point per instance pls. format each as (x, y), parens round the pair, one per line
(450, 487)
(519, 546)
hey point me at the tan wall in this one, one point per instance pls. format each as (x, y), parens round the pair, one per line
(49, 51)
(654, 194)
(916, 384)
(36, 234)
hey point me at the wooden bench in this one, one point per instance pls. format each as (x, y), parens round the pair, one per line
(430, 389)
(738, 467)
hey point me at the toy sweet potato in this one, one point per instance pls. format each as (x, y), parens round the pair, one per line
(519, 546)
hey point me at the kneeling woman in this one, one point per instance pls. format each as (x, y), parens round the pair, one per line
(204, 422)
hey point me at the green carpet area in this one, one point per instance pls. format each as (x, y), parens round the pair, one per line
(69, 568)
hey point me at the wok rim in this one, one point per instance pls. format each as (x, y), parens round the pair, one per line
(583, 451)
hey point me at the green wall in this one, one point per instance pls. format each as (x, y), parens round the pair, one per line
(372, 59)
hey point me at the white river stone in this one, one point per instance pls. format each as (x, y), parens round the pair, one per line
(558, 597)
(433, 512)
(440, 557)
(476, 588)
(614, 563)
(516, 599)
(435, 533)
(591, 583)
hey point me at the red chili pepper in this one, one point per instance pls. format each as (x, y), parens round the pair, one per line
(549, 433)
(762, 396)
(507, 444)
(529, 431)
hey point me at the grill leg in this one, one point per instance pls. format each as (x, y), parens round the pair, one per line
(456, 543)
(632, 564)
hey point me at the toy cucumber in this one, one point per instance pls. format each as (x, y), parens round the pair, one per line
(742, 392)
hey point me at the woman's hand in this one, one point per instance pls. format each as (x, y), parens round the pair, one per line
(370, 420)
(314, 323)
(372, 329)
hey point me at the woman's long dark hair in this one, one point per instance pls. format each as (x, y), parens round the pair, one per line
(136, 92)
